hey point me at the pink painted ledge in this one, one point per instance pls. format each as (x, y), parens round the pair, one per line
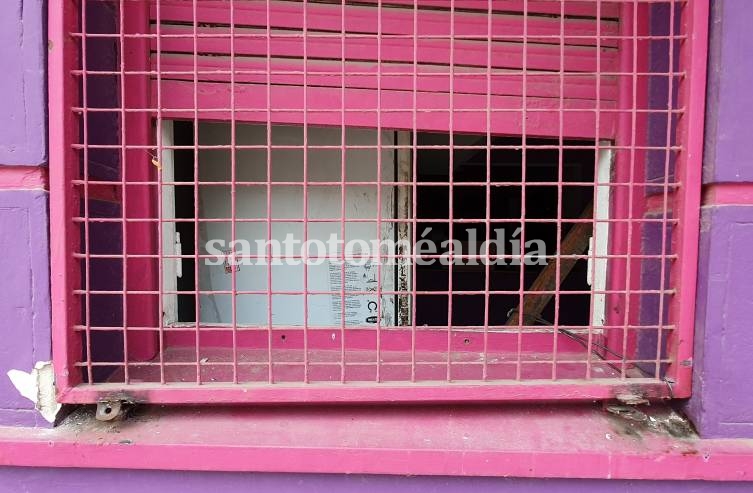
(563, 441)
(23, 178)
(728, 194)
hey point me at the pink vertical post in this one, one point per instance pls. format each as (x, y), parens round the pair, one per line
(62, 88)
(693, 61)
(139, 199)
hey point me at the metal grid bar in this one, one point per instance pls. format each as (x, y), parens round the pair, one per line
(289, 119)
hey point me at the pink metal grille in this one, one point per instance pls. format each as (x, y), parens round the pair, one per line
(572, 127)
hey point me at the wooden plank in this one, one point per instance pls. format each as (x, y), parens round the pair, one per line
(139, 274)
(394, 21)
(431, 110)
(575, 243)
(251, 42)
(363, 75)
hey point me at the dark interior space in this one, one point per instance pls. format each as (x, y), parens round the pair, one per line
(184, 209)
(469, 165)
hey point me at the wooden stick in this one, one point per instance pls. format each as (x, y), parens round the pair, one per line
(575, 243)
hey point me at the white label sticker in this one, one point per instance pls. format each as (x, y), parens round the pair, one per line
(360, 308)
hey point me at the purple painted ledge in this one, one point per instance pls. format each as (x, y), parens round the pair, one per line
(24, 297)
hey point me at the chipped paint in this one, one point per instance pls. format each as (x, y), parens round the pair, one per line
(39, 387)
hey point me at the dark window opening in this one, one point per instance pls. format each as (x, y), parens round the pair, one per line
(184, 209)
(505, 195)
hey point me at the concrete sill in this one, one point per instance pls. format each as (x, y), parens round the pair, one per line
(544, 441)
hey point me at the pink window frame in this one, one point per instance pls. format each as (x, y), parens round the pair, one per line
(686, 204)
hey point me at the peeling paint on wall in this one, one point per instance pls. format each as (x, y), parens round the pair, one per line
(39, 387)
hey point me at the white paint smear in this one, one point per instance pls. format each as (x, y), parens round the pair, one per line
(39, 387)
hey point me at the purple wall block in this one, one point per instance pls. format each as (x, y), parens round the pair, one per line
(722, 402)
(729, 118)
(24, 297)
(23, 43)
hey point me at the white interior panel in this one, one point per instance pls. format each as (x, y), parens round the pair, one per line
(599, 248)
(287, 202)
(170, 244)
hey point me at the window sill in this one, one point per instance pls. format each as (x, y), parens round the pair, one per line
(545, 441)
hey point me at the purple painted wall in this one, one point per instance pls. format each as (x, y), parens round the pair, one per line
(24, 264)
(24, 297)
(730, 99)
(107, 481)
(23, 131)
(722, 404)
